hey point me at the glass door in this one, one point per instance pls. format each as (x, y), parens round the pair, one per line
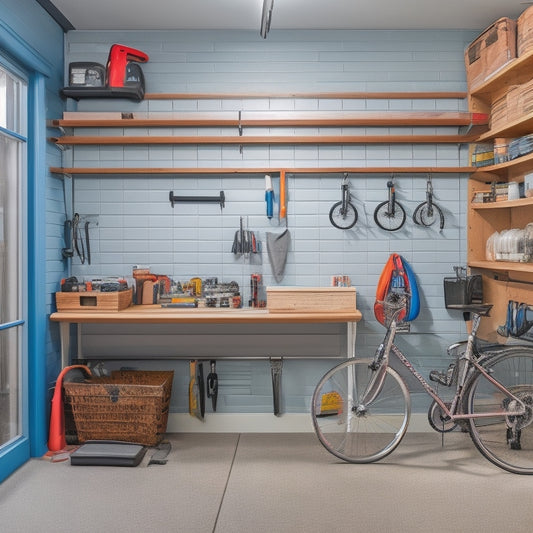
(12, 260)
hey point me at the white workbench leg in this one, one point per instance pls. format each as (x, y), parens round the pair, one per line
(351, 332)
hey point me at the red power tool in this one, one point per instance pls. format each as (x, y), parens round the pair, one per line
(121, 78)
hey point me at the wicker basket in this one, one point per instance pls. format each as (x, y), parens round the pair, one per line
(130, 406)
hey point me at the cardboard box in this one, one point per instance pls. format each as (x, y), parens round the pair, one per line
(94, 300)
(310, 299)
(524, 32)
(494, 48)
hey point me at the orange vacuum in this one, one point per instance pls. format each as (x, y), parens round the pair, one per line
(56, 437)
(121, 78)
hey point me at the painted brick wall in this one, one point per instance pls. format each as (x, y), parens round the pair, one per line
(134, 222)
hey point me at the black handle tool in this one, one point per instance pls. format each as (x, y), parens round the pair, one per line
(212, 385)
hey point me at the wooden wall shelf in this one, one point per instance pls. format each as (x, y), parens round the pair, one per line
(522, 202)
(271, 119)
(427, 95)
(516, 72)
(262, 139)
(334, 171)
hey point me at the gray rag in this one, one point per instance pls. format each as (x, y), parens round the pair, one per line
(278, 248)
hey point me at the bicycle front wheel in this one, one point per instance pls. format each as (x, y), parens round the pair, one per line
(343, 218)
(387, 220)
(504, 433)
(352, 430)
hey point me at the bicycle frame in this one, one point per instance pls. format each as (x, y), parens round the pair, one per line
(470, 365)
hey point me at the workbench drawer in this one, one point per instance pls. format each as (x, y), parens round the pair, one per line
(104, 301)
(310, 299)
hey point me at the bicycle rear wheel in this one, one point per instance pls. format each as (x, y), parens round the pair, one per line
(348, 428)
(505, 439)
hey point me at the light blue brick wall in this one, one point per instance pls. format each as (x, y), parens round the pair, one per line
(136, 223)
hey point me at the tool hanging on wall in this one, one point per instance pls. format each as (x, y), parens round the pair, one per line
(427, 213)
(269, 196)
(212, 384)
(278, 244)
(282, 197)
(220, 199)
(245, 241)
(196, 390)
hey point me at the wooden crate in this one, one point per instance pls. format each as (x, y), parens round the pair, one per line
(102, 301)
(310, 299)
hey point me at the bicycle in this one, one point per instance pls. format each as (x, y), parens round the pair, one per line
(343, 214)
(361, 407)
(390, 214)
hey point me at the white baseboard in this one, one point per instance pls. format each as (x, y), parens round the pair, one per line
(262, 423)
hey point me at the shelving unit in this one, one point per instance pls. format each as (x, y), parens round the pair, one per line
(502, 281)
(468, 126)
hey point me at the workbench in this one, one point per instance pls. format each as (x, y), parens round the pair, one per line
(147, 315)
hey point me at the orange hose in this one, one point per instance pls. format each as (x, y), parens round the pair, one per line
(56, 438)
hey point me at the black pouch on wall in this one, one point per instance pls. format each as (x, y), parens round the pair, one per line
(462, 289)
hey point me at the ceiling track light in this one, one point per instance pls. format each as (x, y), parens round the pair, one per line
(266, 17)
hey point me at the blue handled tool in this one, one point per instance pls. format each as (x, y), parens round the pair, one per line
(269, 196)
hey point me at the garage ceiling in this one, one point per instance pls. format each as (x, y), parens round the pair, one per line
(286, 15)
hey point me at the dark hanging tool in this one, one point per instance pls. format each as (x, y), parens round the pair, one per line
(276, 366)
(201, 388)
(67, 251)
(221, 199)
(212, 385)
(87, 243)
(79, 246)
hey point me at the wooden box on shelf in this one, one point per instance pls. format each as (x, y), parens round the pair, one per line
(94, 300)
(310, 299)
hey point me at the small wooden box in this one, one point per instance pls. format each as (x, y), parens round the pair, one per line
(310, 299)
(95, 300)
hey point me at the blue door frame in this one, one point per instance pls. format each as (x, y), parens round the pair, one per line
(32, 442)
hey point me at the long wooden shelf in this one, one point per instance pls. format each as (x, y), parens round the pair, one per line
(262, 139)
(517, 128)
(516, 72)
(522, 202)
(271, 119)
(423, 95)
(334, 171)
(520, 164)
(502, 266)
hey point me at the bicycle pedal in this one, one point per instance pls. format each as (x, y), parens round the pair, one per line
(444, 378)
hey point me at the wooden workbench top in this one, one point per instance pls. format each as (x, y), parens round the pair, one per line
(155, 314)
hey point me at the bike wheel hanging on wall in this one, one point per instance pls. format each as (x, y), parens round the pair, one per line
(428, 212)
(343, 214)
(390, 215)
